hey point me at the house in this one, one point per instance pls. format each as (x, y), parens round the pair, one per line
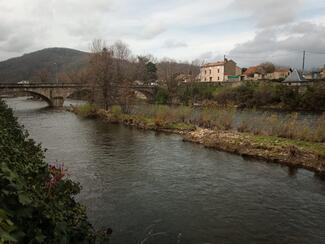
(238, 71)
(249, 73)
(252, 74)
(295, 79)
(314, 75)
(281, 73)
(322, 73)
(219, 71)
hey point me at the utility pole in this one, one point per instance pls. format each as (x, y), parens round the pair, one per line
(303, 62)
(224, 66)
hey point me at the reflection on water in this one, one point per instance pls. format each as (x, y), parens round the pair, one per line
(140, 181)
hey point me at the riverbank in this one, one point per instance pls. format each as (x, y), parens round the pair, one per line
(37, 199)
(291, 152)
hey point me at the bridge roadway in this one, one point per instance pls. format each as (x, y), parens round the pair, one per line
(55, 93)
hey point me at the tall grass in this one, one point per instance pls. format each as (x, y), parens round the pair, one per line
(289, 126)
(271, 124)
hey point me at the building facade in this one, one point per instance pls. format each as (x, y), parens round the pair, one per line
(280, 73)
(218, 71)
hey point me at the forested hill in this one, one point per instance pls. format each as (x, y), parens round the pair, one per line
(42, 65)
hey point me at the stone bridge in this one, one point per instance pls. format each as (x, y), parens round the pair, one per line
(55, 93)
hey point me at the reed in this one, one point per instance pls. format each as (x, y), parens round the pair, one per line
(265, 124)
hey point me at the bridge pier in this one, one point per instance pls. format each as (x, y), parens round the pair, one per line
(57, 102)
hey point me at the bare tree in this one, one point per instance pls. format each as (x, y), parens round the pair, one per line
(265, 68)
(108, 68)
(101, 70)
(43, 75)
(121, 50)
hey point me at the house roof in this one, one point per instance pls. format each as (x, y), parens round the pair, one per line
(295, 76)
(250, 71)
(219, 63)
(282, 70)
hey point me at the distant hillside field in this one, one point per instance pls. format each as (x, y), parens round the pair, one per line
(49, 61)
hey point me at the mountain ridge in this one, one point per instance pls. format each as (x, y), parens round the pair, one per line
(53, 60)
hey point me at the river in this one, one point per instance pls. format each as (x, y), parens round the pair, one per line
(140, 181)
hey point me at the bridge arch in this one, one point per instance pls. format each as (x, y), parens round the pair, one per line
(33, 93)
(44, 98)
(148, 92)
(85, 90)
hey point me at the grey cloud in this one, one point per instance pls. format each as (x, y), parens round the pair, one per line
(209, 57)
(284, 46)
(171, 43)
(4, 31)
(267, 13)
(16, 44)
(152, 30)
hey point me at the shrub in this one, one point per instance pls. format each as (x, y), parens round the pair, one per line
(161, 96)
(261, 94)
(30, 210)
(86, 110)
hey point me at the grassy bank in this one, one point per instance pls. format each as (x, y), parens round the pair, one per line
(293, 153)
(287, 140)
(290, 126)
(37, 202)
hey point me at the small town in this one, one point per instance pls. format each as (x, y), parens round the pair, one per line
(228, 71)
(162, 122)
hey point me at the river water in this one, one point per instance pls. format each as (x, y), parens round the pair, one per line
(138, 182)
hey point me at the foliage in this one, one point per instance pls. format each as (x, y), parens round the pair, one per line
(86, 110)
(151, 72)
(265, 68)
(161, 96)
(194, 92)
(36, 203)
(251, 94)
(116, 111)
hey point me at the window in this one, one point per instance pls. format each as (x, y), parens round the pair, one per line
(205, 72)
(218, 78)
(210, 71)
(205, 79)
(218, 70)
(210, 79)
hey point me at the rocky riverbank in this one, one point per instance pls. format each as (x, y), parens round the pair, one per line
(294, 153)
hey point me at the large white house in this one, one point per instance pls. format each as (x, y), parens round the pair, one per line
(219, 71)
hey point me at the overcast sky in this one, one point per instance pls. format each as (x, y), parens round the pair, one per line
(249, 31)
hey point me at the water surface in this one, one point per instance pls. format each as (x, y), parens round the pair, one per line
(135, 181)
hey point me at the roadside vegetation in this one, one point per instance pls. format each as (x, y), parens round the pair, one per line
(37, 202)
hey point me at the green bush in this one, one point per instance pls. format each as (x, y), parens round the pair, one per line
(33, 207)
(191, 93)
(161, 96)
(263, 94)
(86, 110)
